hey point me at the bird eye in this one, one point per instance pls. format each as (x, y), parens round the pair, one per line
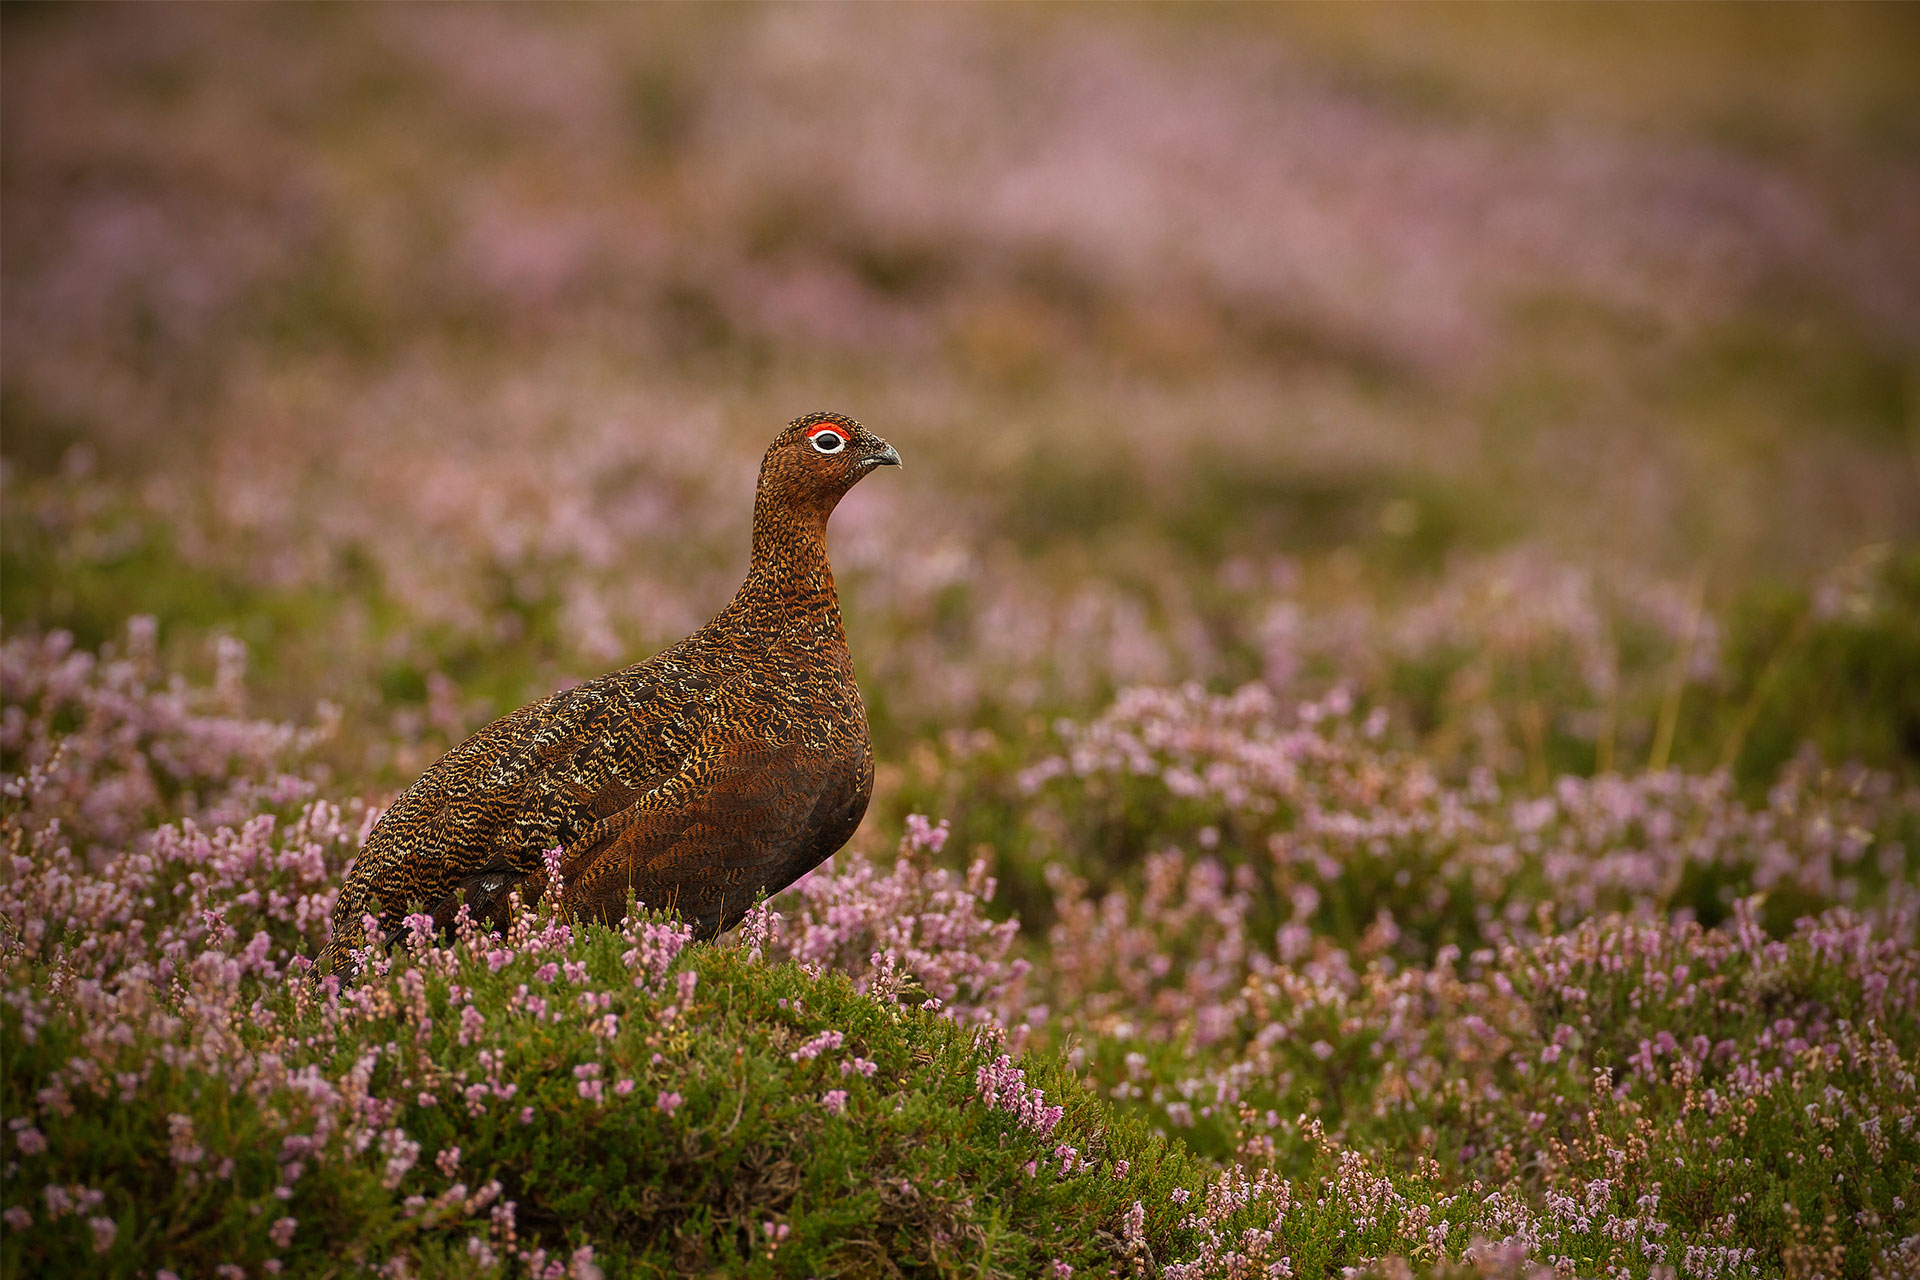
(829, 441)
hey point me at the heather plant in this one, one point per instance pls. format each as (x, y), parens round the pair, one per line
(916, 930)
(1620, 1096)
(108, 748)
(1331, 830)
(1305, 939)
(540, 1104)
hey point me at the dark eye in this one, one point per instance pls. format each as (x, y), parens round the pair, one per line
(829, 441)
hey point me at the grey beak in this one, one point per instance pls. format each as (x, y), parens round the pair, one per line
(889, 458)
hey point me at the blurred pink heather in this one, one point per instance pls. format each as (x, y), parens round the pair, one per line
(109, 747)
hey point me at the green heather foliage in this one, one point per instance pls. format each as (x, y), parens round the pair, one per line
(449, 1115)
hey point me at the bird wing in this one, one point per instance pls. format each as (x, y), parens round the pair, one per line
(748, 816)
(534, 779)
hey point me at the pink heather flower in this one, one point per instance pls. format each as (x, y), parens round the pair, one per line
(183, 1148)
(1061, 1270)
(669, 1102)
(32, 1141)
(1003, 1086)
(17, 1217)
(526, 1115)
(624, 1088)
(862, 1065)
(546, 972)
(1180, 1195)
(104, 1230)
(818, 1045)
(401, 1152)
(922, 834)
(281, 1233)
(757, 930)
(835, 1101)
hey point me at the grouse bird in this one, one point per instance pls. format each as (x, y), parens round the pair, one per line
(722, 768)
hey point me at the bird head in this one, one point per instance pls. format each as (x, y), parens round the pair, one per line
(819, 457)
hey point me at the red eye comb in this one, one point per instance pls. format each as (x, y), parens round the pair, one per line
(818, 427)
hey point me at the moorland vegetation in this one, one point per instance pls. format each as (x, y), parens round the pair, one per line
(1394, 658)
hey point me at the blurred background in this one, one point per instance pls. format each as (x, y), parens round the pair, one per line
(1547, 375)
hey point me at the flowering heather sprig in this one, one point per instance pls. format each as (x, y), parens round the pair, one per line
(817, 1045)
(759, 927)
(655, 945)
(1003, 1086)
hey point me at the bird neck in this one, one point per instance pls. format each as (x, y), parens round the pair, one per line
(788, 575)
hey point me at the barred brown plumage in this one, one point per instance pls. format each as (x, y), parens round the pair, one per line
(722, 768)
